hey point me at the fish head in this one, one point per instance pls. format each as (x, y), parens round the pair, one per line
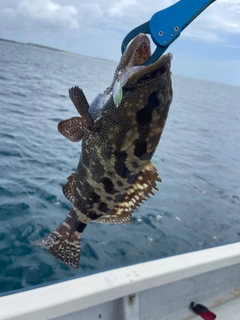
(146, 94)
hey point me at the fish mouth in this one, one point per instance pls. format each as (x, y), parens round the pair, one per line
(130, 69)
(138, 52)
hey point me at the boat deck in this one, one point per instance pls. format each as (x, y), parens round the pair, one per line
(229, 310)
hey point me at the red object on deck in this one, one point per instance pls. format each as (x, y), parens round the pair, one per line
(203, 311)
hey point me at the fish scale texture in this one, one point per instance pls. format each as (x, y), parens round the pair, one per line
(114, 174)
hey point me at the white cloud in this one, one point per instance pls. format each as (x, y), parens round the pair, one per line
(218, 21)
(90, 14)
(213, 25)
(126, 15)
(117, 9)
(49, 11)
(8, 11)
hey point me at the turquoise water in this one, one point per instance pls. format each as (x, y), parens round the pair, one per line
(198, 202)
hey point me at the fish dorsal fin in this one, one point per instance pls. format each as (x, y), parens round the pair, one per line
(69, 188)
(80, 102)
(73, 128)
(140, 190)
(135, 195)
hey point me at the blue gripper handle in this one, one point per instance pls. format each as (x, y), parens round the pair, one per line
(166, 25)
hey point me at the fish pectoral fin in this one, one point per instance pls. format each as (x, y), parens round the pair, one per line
(70, 187)
(80, 102)
(73, 128)
(121, 218)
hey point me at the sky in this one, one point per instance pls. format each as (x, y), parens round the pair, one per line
(209, 48)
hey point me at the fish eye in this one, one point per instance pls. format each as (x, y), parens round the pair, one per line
(155, 100)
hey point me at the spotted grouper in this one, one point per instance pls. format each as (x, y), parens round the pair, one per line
(120, 132)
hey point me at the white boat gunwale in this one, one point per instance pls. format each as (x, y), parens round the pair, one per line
(59, 299)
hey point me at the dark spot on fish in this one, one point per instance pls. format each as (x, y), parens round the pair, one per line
(120, 165)
(109, 198)
(103, 207)
(93, 215)
(162, 70)
(119, 183)
(154, 101)
(131, 178)
(94, 196)
(108, 185)
(135, 164)
(81, 226)
(118, 198)
(144, 116)
(140, 149)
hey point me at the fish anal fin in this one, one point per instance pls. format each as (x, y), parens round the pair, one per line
(121, 218)
(73, 128)
(80, 102)
(69, 188)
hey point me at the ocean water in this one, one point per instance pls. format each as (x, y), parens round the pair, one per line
(198, 202)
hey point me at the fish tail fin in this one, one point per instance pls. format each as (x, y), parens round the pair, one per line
(63, 245)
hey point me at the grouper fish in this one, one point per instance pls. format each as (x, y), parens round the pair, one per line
(120, 132)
